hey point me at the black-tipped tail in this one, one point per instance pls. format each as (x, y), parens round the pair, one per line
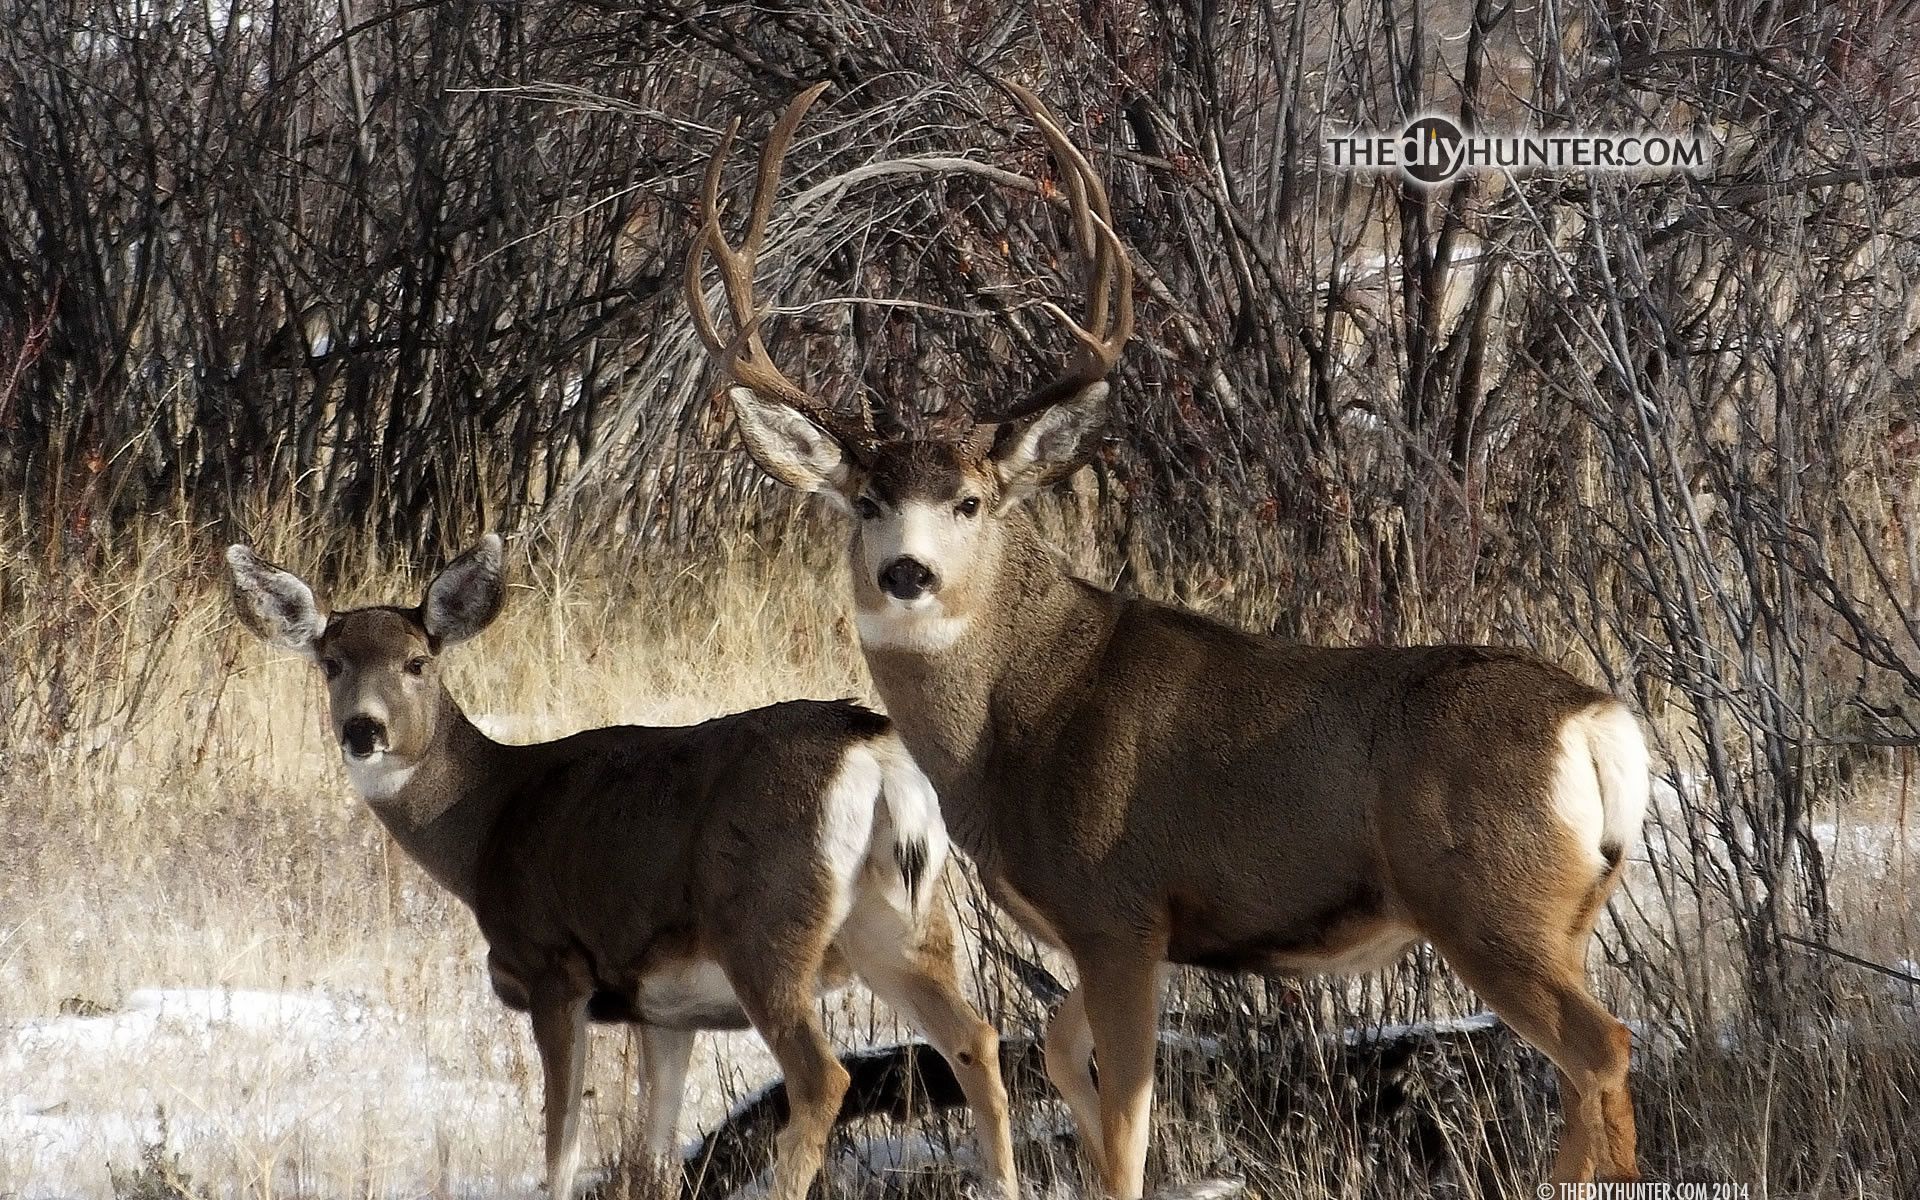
(911, 855)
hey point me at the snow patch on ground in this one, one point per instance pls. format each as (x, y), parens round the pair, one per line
(1419, 1030)
(308, 1091)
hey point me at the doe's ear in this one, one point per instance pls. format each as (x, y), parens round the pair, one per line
(1053, 446)
(274, 604)
(789, 446)
(467, 594)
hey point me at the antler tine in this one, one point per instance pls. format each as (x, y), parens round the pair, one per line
(773, 157)
(1110, 287)
(1077, 174)
(710, 203)
(744, 357)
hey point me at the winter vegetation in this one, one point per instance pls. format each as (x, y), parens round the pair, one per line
(355, 281)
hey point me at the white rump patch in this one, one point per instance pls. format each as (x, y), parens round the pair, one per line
(378, 776)
(846, 828)
(1602, 782)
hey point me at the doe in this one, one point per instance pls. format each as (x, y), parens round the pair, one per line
(703, 877)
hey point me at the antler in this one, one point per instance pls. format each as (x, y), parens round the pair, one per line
(1109, 289)
(744, 357)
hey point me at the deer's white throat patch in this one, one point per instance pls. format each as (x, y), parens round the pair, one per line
(378, 776)
(921, 626)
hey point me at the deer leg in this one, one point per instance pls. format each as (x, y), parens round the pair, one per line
(776, 986)
(1123, 1011)
(1574, 1158)
(816, 1083)
(1620, 1162)
(1543, 996)
(915, 976)
(1069, 1061)
(560, 1035)
(665, 1054)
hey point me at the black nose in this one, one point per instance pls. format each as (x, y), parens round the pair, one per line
(363, 735)
(906, 578)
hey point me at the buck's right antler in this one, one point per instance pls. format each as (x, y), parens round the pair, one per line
(1110, 285)
(744, 357)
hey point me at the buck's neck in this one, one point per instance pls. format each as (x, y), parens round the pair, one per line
(444, 807)
(957, 707)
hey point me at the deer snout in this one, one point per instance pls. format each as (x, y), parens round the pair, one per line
(906, 578)
(363, 736)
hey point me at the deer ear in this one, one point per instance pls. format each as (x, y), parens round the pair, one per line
(275, 605)
(467, 595)
(789, 446)
(1052, 446)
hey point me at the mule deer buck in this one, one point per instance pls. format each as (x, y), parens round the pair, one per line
(679, 878)
(1140, 785)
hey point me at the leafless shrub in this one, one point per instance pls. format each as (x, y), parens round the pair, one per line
(399, 271)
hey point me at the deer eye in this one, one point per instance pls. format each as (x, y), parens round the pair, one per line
(968, 507)
(865, 508)
(331, 667)
(417, 665)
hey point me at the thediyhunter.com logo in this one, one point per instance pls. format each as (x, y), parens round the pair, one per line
(1432, 150)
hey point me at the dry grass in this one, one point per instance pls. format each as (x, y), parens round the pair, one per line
(172, 816)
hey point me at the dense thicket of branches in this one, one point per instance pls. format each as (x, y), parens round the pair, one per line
(414, 267)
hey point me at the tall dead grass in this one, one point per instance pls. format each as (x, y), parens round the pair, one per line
(172, 815)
